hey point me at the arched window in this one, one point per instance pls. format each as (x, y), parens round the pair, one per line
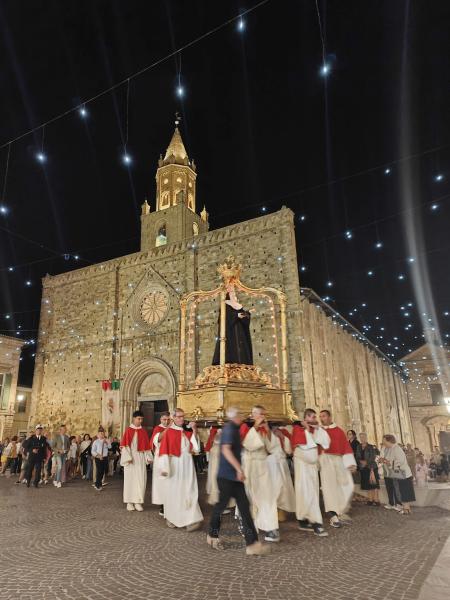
(165, 199)
(195, 228)
(161, 237)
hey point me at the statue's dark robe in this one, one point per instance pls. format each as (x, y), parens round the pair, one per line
(238, 344)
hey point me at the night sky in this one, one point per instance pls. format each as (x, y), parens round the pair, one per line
(353, 153)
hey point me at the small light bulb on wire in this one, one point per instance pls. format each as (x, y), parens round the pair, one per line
(439, 177)
(126, 158)
(434, 206)
(83, 112)
(325, 70)
(387, 171)
(40, 157)
(180, 91)
(241, 25)
(3, 209)
(378, 245)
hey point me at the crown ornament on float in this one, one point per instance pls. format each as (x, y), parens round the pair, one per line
(230, 270)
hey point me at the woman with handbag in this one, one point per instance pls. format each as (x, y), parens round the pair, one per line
(366, 455)
(399, 473)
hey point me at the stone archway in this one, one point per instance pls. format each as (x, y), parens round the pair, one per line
(148, 377)
(434, 425)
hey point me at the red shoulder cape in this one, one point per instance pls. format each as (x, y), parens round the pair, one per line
(171, 441)
(339, 443)
(156, 430)
(298, 436)
(143, 442)
(212, 434)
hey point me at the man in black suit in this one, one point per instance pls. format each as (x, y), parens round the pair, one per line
(37, 449)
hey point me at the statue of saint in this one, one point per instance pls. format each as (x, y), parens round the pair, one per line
(238, 344)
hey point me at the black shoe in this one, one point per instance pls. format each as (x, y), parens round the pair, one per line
(304, 525)
(272, 536)
(28, 485)
(36, 485)
(319, 531)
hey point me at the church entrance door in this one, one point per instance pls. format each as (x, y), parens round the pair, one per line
(149, 386)
(152, 410)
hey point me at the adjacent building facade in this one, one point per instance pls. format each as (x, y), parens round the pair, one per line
(119, 321)
(429, 396)
(10, 349)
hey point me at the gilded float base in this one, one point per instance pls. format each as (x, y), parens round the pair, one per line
(210, 404)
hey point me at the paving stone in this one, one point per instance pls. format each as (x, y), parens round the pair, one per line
(74, 543)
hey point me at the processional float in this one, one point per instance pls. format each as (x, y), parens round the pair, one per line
(220, 386)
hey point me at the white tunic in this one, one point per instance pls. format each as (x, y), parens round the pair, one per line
(258, 481)
(181, 489)
(337, 482)
(135, 476)
(213, 466)
(158, 483)
(281, 476)
(306, 466)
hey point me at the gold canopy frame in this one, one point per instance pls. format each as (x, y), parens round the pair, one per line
(218, 387)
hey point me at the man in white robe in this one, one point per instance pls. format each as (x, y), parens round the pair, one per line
(337, 463)
(258, 442)
(135, 455)
(279, 470)
(305, 439)
(157, 480)
(176, 466)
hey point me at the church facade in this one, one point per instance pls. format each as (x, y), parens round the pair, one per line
(120, 321)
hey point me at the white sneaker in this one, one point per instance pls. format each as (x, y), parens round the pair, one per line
(58, 484)
(130, 506)
(84, 477)
(55, 483)
(139, 507)
(388, 507)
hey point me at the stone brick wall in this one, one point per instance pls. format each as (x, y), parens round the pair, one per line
(89, 331)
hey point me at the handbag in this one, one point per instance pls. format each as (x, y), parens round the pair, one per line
(397, 473)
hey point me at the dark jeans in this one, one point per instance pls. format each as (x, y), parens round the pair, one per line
(102, 465)
(392, 491)
(233, 489)
(34, 462)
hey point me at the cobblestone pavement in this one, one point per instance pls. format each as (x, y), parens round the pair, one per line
(75, 543)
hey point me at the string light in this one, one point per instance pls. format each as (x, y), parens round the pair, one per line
(370, 273)
(348, 235)
(378, 245)
(41, 157)
(439, 177)
(83, 112)
(3, 209)
(325, 70)
(387, 171)
(241, 25)
(180, 91)
(434, 206)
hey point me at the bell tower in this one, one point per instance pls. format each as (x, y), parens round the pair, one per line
(175, 218)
